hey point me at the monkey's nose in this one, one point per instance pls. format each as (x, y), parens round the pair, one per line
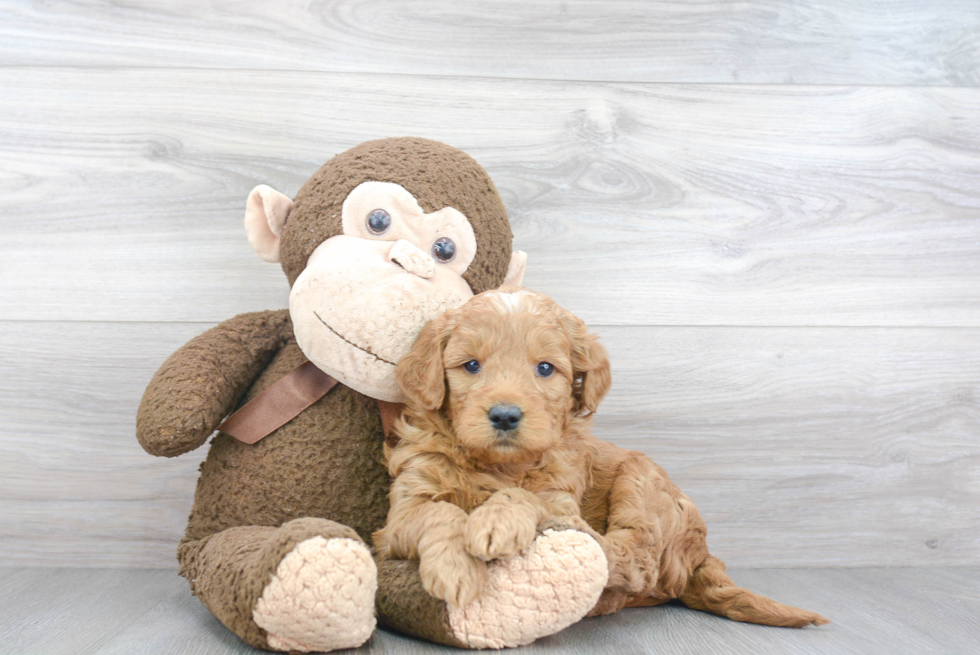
(505, 417)
(410, 257)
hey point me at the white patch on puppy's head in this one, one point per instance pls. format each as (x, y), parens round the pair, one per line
(512, 302)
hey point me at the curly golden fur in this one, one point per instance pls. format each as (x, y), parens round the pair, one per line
(473, 483)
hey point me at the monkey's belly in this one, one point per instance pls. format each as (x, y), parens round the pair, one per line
(328, 462)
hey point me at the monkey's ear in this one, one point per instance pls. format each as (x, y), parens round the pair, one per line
(421, 374)
(266, 211)
(515, 270)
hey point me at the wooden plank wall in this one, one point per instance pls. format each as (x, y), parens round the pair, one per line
(769, 210)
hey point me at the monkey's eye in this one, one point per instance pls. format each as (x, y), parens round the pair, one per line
(378, 221)
(444, 249)
(545, 369)
(472, 366)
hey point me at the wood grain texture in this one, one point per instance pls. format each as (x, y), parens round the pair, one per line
(62, 611)
(639, 204)
(760, 41)
(899, 611)
(842, 447)
(845, 447)
(685, 176)
(77, 489)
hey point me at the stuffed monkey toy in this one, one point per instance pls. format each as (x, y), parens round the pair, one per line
(383, 238)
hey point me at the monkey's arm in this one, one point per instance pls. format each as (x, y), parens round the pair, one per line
(201, 383)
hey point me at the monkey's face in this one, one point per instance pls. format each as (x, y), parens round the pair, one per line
(371, 262)
(365, 294)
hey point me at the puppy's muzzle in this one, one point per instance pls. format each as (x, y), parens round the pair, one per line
(505, 417)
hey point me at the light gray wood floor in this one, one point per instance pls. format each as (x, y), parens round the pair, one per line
(876, 610)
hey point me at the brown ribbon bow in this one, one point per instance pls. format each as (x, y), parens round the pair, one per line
(284, 400)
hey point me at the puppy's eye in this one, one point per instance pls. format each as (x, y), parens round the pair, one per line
(545, 369)
(378, 221)
(444, 249)
(472, 366)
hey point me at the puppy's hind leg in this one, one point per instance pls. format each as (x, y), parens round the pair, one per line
(655, 542)
(711, 590)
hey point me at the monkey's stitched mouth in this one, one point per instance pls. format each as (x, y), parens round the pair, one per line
(380, 359)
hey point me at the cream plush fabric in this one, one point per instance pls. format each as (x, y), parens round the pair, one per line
(527, 596)
(321, 597)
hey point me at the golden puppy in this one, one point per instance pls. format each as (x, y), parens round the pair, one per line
(495, 446)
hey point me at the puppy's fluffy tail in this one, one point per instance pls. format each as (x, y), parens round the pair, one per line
(710, 590)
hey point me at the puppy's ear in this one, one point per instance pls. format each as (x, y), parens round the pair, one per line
(421, 374)
(596, 377)
(591, 375)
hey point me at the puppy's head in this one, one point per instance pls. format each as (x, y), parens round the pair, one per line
(510, 369)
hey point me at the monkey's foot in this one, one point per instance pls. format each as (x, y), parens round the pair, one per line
(320, 598)
(544, 589)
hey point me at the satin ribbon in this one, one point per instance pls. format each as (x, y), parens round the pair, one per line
(284, 400)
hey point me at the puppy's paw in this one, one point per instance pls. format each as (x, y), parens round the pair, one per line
(572, 522)
(497, 530)
(452, 575)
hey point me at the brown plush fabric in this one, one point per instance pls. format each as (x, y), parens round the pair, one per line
(229, 570)
(321, 473)
(436, 174)
(326, 462)
(200, 384)
(405, 606)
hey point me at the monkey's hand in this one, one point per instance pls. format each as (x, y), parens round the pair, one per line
(449, 573)
(201, 383)
(503, 526)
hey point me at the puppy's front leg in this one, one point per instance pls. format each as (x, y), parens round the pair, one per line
(432, 532)
(504, 525)
(565, 512)
(447, 570)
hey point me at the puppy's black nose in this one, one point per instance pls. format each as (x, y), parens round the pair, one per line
(505, 417)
